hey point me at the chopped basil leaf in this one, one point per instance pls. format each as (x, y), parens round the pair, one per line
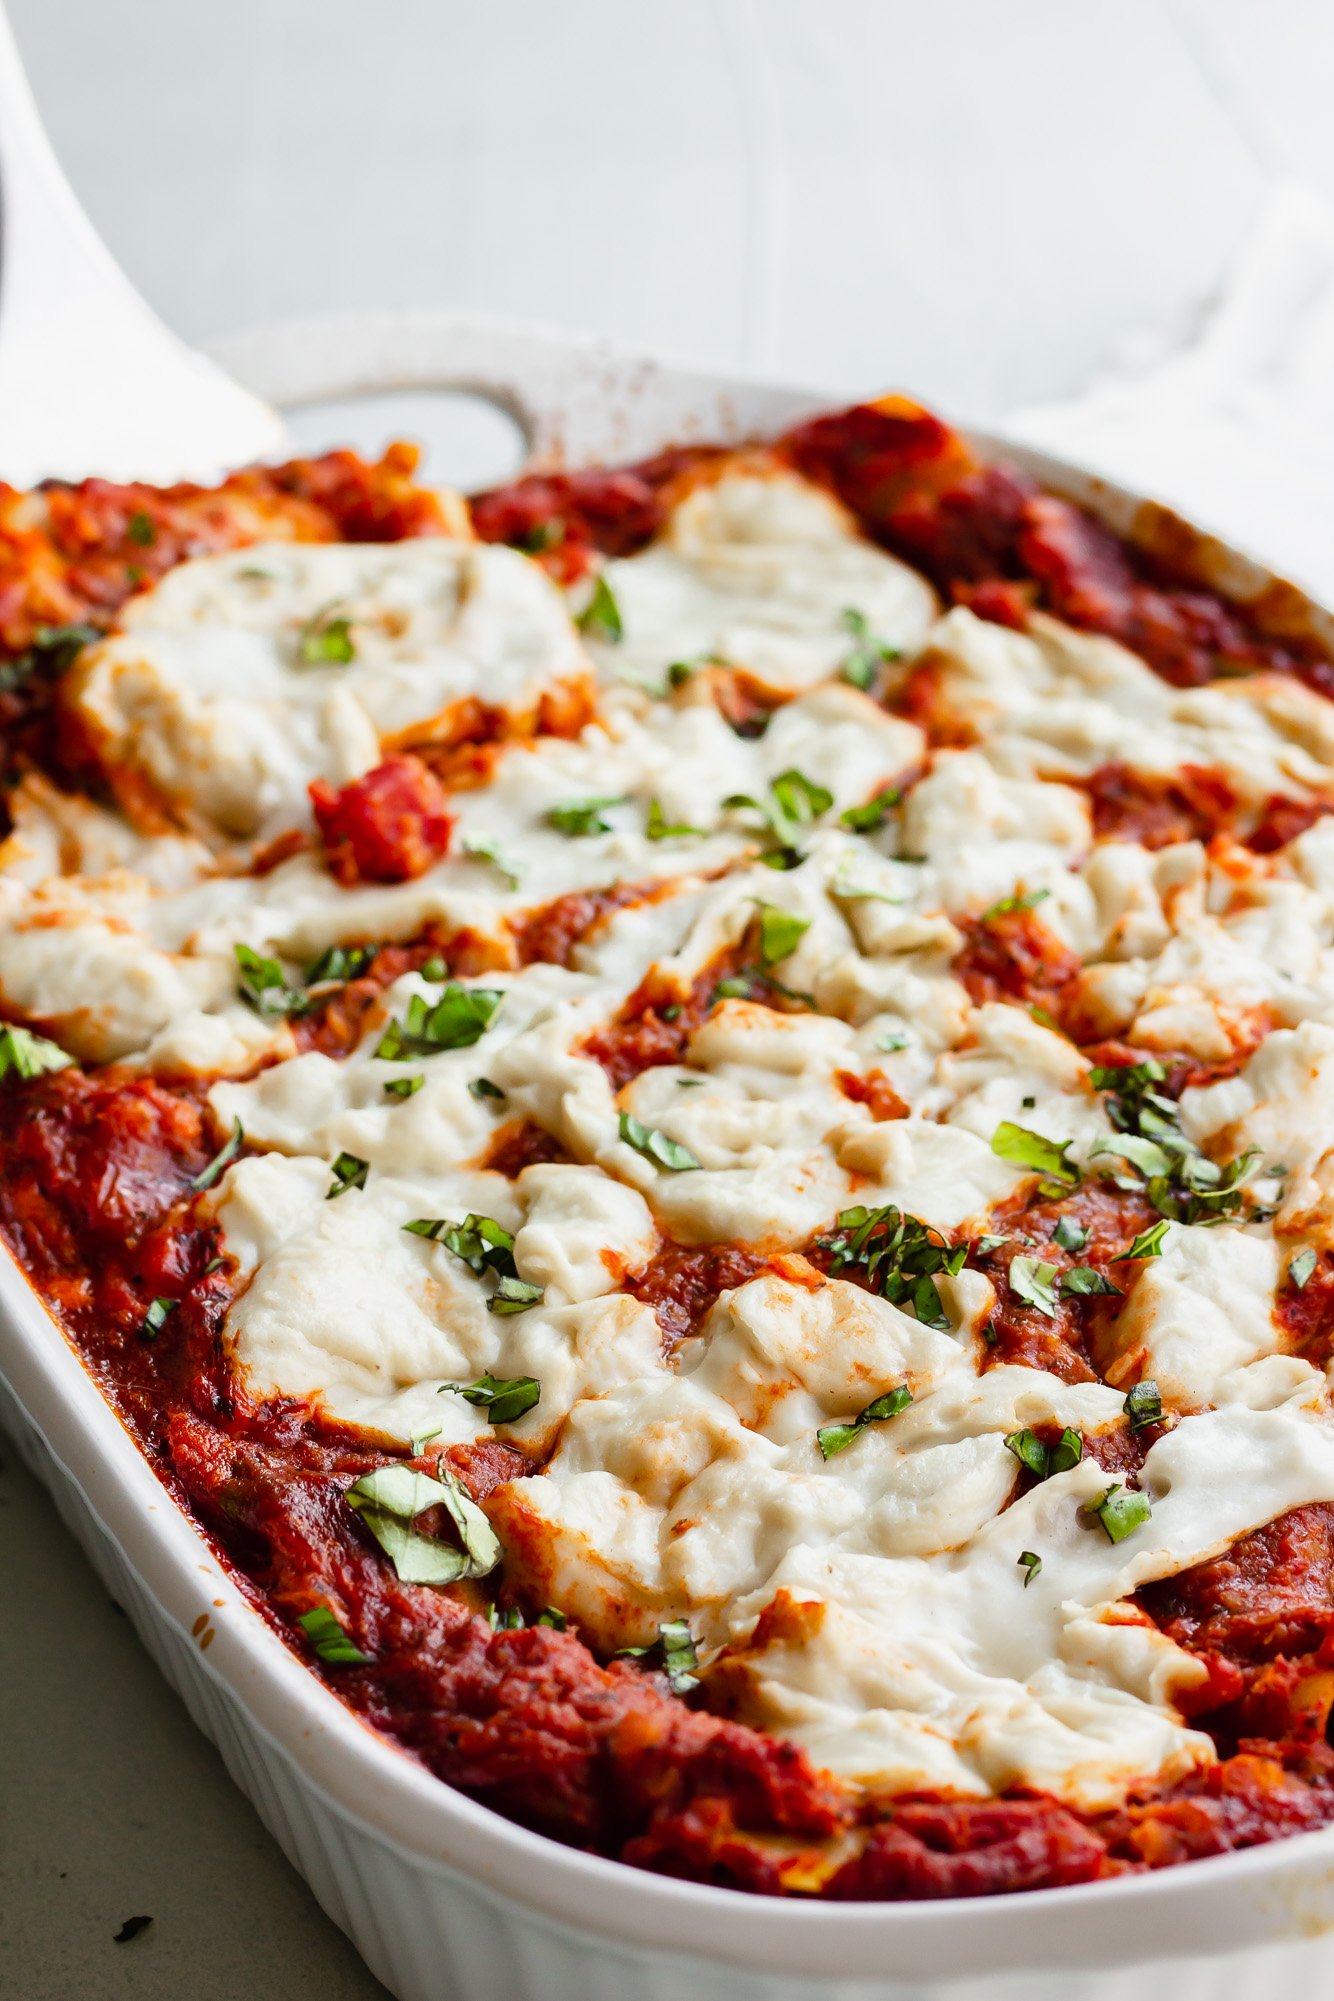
(1125, 1077)
(1084, 1280)
(155, 1319)
(405, 1087)
(1145, 1154)
(1299, 1271)
(140, 529)
(796, 801)
(484, 1245)
(542, 535)
(658, 828)
(1045, 1019)
(681, 671)
(780, 933)
(389, 1501)
(24, 1055)
(579, 817)
(832, 1438)
(601, 616)
(656, 1146)
(460, 1017)
(1032, 1150)
(1182, 1183)
(850, 890)
(53, 651)
(868, 655)
(340, 962)
(799, 797)
(1144, 1404)
(263, 986)
(865, 819)
(479, 850)
(1029, 1450)
(214, 1264)
(552, 1616)
(673, 1651)
(421, 1439)
(988, 1242)
(892, 1039)
(482, 1087)
(1121, 1510)
(1067, 1452)
(900, 1257)
(505, 1400)
(1034, 1283)
(349, 1171)
(1149, 1243)
(1070, 1235)
(326, 640)
(220, 1161)
(508, 1619)
(329, 1640)
(514, 1295)
(1045, 1461)
(1031, 1565)
(1028, 901)
(671, 1012)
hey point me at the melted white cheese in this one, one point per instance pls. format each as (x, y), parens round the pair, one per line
(211, 697)
(759, 569)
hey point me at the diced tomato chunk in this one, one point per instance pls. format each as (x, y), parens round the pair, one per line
(386, 827)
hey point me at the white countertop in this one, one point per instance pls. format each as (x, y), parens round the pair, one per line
(112, 1806)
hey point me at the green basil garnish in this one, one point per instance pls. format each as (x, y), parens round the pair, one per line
(601, 616)
(389, 1501)
(220, 1161)
(1121, 1510)
(673, 1651)
(156, 1317)
(505, 1400)
(479, 850)
(326, 640)
(1301, 1268)
(1045, 1461)
(1144, 1404)
(833, 1438)
(460, 1017)
(349, 1171)
(580, 817)
(329, 1640)
(484, 1245)
(24, 1055)
(1043, 1156)
(780, 933)
(656, 1146)
(899, 1257)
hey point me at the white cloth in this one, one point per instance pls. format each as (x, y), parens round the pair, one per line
(1234, 426)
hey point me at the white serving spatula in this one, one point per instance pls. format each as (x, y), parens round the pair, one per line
(91, 381)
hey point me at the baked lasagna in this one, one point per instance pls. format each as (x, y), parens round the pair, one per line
(691, 1109)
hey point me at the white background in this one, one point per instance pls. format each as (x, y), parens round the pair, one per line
(981, 200)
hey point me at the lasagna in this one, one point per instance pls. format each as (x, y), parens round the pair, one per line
(691, 1109)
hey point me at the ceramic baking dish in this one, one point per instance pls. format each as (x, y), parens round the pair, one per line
(446, 1900)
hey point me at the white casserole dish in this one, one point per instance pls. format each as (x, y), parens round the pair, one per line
(445, 1900)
